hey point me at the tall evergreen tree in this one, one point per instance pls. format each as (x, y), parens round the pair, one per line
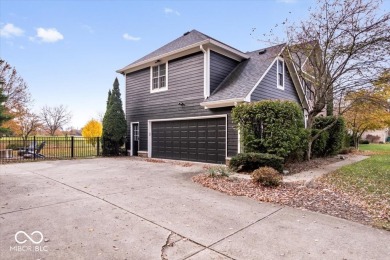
(3, 116)
(114, 122)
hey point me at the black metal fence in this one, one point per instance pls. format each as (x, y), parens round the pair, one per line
(13, 149)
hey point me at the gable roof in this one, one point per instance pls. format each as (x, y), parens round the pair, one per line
(188, 40)
(239, 83)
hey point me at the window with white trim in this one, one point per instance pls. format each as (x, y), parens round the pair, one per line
(159, 78)
(280, 73)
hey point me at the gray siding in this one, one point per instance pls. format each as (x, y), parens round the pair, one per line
(185, 84)
(267, 87)
(220, 67)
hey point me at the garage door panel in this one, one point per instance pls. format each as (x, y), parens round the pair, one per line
(201, 140)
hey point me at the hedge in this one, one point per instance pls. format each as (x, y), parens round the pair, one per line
(271, 126)
(249, 162)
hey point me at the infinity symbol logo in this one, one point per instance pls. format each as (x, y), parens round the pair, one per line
(32, 240)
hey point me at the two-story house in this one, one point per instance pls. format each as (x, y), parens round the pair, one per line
(179, 98)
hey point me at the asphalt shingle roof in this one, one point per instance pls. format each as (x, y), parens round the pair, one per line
(240, 81)
(243, 78)
(185, 40)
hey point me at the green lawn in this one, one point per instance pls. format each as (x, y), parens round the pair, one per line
(369, 181)
(382, 148)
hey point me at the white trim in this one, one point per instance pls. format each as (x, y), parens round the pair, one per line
(150, 134)
(131, 137)
(281, 87)
(159, 57)
(239, 141)
(305, 102)
(222, 103)
(158, 82)
(230, 49)
(248, 97)
(225, 53)
(305, 116)
(208, 73)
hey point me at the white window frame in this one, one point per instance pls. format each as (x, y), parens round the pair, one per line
(158, 83)
(277, 74)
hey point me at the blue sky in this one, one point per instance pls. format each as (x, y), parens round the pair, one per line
(68, 51)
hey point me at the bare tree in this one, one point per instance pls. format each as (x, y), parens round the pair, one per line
(343, 46)
(15, 88)
(27, 123)
(55, 118)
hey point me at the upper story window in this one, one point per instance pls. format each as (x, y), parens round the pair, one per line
(159, 75)
(280, 74)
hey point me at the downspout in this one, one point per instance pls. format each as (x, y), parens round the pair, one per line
(206, 76)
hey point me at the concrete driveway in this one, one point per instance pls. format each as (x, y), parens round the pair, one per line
(131, 209)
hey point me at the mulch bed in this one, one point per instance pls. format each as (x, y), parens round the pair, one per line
(315, 197)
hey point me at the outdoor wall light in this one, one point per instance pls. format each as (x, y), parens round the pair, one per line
(181, 104)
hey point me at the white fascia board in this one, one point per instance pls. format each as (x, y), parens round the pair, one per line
(306, 103)
(230, 49)
(188, 48)
(145, 62)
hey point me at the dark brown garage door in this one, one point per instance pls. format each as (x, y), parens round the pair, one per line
(201, 140)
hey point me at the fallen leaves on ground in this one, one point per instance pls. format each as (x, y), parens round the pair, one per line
(315, 197)
(297, 167)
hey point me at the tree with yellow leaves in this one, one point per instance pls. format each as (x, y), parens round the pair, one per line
(91, 131)
(370, 108)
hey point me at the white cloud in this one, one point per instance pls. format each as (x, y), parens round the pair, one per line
(49, 35)
(171, 11)
(128, 37)
(9, 30)
(88, 28)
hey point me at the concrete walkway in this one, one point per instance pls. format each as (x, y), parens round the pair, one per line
(307, 176)
(131, 209)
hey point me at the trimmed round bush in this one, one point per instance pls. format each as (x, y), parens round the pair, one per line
(267, 176)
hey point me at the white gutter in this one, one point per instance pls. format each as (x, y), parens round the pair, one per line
(222, 103)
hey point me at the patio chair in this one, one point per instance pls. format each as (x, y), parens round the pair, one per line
(24, 150)
(36, 154)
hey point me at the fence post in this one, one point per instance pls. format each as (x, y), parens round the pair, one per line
(34, 144)
(72, 146)
(98, 146)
